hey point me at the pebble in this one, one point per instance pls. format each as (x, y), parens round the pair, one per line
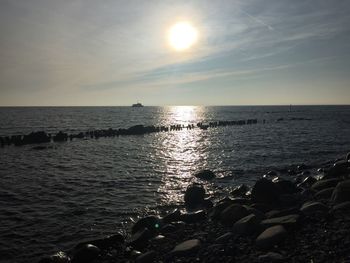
(287, 221)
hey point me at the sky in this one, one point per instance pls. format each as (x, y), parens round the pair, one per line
(111, 52)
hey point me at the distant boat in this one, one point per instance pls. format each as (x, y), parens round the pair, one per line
(137, 105)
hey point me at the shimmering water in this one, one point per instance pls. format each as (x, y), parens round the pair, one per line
(50, 199)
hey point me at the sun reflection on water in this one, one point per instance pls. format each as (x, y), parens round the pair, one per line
(184, 152)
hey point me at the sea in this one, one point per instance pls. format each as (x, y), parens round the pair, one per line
(52, 198)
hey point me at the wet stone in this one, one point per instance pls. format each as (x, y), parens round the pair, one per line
(194, 217)
(233, 213)
(287, 221)
(311, 208)
(186, 248)
(246, 225)
(325, 193)
(271, 237)
(341, 192)
(323, 184)
(224, 238)
(147, 257)
(205, 175)
(152, 223)
(271, 257)
(59, 257)
(194, 195)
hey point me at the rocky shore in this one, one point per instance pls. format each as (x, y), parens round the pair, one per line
(296, 217)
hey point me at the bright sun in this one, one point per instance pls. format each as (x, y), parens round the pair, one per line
(182, 36)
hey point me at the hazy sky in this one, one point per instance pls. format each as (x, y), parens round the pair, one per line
(109, 52)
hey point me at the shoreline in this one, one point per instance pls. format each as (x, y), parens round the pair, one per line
(302, 219)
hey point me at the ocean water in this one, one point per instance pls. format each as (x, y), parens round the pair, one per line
(51, 199)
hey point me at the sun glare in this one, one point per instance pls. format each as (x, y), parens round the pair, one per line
(182, 36)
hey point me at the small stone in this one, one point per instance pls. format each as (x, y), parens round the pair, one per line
(172, 216)
(240, 190)
(307, 182)
(233, 213)
(186, 248)
(246, 225)
(147, 257)
(86, 253)
(287, 221)
(311, 208)
(205, 175)
(341, 192)
(140, 238)
(224, 238)
(271, 257)
(271, 237)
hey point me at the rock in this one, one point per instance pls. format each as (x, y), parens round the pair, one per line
(194, 195)
(339, 169)
(224, 238)
(288, 200)
(186, 248)
(307, 182)
(271, 237)
(246, 225)
(205, 175)
(194, 217)
(168, 228)
(240, 190)
(140, 238)
(313, 208)
(147, 257)
(86, 253)
(259, 215)
(261, 207)
(215, 212)
(286, 187)
(233, 213)
(348, 157)
(271, 257)
(59, 257)
(325, 193)
(323, 184)
(152, 223)
(342, 208)
(341, 192)
(265, 191)
(286, 221)
(283, 212)
(172, 216)
(207, 204)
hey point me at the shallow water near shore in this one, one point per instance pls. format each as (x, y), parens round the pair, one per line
(53, 198)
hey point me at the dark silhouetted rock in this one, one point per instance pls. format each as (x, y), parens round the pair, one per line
(205, 175)
(339, 169)
(60, 137)
(172, 216)
(286, 187)
(194, 195)
(341, 192)
(265, 191)
(271, 237)
(240, 190)
(307, 182)
(325, 193)
(233, 213)
(194, 217)
(152, 223)
(140, 238)
(343, 208)
(86, 254)
(105, 242)
(246, 225)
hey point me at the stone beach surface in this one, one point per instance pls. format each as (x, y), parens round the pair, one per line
(291, 217)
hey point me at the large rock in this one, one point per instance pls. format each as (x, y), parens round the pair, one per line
(152, 223)
(339, 169)
(341, 192)
(173, 216)
(287, 221)
(323, 184)
(140, 238)
(307, 182)
(105, 242)
(233, 213)
(286, 187)
(194, 195)
(186, 248)
(265, 191)
(271, 237)
(86, 254)
(246, 225)
(240, 190)
(205, 175)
